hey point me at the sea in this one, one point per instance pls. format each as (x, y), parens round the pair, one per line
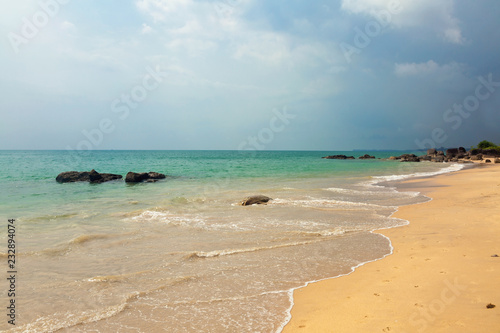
(181, 254)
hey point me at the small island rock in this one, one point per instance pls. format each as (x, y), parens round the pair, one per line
(85, 176)
(133, 177)
(339, 157)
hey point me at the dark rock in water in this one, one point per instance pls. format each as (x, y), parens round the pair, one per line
(393, 158)
(432, 151)
(85, 176)
(409, 158)
(339, 157)
(366, 157)
(150, 177)
(256, 199)
(95, 177)
(461, 150)
(72, 176)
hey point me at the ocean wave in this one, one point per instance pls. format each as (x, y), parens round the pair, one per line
(189, 221)
(327, 232)
(51, 217)
(87, 238)
(328, 203)
(59, 321)
(226, 252)
(168, 218)
(448, 169)
(364, 193)
(117, 277)
(67, 247)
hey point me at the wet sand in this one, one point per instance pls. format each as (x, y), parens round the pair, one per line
(441, 276)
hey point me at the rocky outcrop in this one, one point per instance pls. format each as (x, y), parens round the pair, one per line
(339, 157)
(426, 158)
(477, 157)
(366, 157)
(439, 159)
(431, 152)
(452, 155)
(255, 200)
(133, 177)
(452, 152)
(86, 176)
(409, 158)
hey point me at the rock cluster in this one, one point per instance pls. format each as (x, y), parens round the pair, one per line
(345, 157)
(450, 155)
(339, 157)
(86, 176)
(96, 177)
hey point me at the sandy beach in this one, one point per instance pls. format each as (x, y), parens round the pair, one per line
(443, 272)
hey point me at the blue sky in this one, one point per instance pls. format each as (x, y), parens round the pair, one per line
(249, 74)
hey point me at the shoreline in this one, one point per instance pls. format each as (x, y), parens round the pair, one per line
(379, 296)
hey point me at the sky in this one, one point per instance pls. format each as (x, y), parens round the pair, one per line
(249, 74)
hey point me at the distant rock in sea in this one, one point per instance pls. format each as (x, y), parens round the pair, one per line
(133, 177)
(85, 176)
(366, 157)
(339, 157)
(256, 199)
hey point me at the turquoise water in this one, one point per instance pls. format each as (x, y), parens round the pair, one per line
(28, 176)
(180, 255)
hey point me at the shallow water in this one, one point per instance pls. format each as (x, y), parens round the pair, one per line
(180, 255)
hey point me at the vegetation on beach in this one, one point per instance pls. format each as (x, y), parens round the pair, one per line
(487, 145)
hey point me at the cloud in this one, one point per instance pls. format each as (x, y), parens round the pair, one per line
(437, 16)
(428, 68)
(66, 25)
(410, 69)
(146, 29)
(159, 9)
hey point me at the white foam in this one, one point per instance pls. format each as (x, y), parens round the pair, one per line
(327, 203)
(217, 253)
(169, 218)
(451, 168)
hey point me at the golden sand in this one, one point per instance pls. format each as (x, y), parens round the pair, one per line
(441, 276)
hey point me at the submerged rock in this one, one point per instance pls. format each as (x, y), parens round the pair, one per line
(85, 176)
(150, 177)
(256, 199)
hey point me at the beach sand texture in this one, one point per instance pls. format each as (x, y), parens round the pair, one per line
(442, 275)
